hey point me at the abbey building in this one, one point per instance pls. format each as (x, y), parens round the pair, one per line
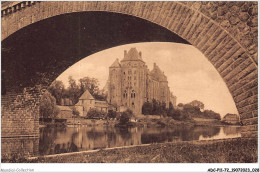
(131, 83)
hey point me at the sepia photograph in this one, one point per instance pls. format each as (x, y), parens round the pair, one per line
(129, 82)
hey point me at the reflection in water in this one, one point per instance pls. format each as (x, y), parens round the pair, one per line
(71, 139)
(232, 130)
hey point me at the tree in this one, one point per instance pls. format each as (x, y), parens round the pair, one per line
(196, 103)
(75, 112)
(171, 106)
(125, 117)
(194, 110)
(73, 90)
(147, 108)
(155, 105)
(170, 110)
(111, 114)
(211, 114)
(92, 85)
(163, 108)
(176, 114)
(180, 105)
(48, 107)
(57, 89)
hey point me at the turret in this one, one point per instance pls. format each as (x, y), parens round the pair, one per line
(115, 64)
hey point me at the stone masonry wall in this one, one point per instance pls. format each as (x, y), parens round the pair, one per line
(225, 32)
(20, 113)
(15, 148)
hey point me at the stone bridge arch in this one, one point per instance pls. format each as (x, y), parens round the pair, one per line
(225, 32)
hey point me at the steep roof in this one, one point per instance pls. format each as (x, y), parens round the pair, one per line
(78, 104)
(157, 73)
(86, 96)
(116, 63)
(132, 55)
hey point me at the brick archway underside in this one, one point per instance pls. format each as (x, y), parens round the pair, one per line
(225, 32)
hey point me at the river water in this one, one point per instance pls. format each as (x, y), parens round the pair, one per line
(55, 140)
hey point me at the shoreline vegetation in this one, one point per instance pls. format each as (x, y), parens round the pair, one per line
(141, 121)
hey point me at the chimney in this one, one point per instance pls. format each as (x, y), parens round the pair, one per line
(125, 52)
(140, 54)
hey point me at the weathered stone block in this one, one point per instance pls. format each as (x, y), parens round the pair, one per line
(249, 128)
(250, 121)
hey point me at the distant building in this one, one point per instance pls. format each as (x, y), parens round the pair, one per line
(231, 118)
(131, 83)
(87, 101)
(65, 112)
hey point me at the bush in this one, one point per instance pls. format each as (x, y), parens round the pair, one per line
(96, 114)
(125, 117)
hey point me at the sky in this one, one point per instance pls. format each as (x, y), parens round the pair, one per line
(190, 75)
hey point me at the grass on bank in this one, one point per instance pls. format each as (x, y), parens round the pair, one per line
(238, 150)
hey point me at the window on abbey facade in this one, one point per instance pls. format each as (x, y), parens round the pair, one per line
(125, 94)
(129, 71)
(135, 77)
(133, 104)
(133, 94)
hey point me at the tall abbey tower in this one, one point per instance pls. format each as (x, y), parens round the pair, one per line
(130, 83)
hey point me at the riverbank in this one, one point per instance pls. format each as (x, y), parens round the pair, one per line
(147, 121)
(237, 150)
